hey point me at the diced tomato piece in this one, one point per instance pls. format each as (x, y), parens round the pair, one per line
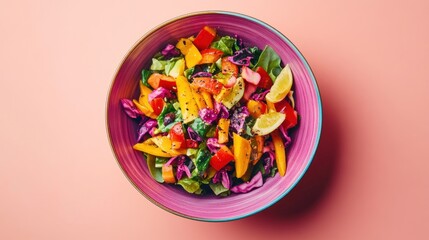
(265, 81)
(157, 80)
(210, 55)
(207, 84)
(204, 38)
(157, 105)
(221, 158)
(177, 136)
(229, 67)
(191, 143)
(291, 116)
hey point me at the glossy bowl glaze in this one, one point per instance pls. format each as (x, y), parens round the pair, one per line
(122, 130)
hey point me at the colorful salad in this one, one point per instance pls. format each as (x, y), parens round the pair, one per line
(214, 115)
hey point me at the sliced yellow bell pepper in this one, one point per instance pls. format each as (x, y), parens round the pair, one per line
(280, 152)
(162, 142)
(144, 110)
(208, 99)
(192, 54)
(193, 57)
(199, 99)
(144, 96)
(223, 129)
(150, 147)
(188, 105)
(166, 145)
(242, 152)
(184, 45)
(223, 93)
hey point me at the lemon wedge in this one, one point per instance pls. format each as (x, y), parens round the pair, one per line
(267, 123)
(281, 86)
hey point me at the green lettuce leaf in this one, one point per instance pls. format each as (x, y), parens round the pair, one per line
(199, 126)
(225, 44)
(159, 161)
(158, 65)
(190, 185)
(270, 61)
(203, 158)
(168, 108)
(219, 189)
(145, 76)
(155, 172)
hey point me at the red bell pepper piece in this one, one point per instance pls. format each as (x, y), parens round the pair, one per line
(157, 105)
(291, 115)
(191, 143)
(207, 84)
(177, 136)
(204, 38)
(229, 67)
(221, 158)
(265, 81)
(157, 80)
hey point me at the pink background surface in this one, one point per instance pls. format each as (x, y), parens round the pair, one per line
(60, 180)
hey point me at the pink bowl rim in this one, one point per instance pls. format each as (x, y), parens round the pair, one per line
(285, 39)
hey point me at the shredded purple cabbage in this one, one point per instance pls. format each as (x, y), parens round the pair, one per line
(160, 93)
(238, 119)
(194, 135)
(169, 118)
(213, 145)
(170, 51)
(222, 111)
(267, 159)
(241, 57)
(146, 128)
(287, 139)
(255, 182)
(202, 74)
(208, 115)
(259, 96)
(181, 167)
(222, 177)
(129, 108)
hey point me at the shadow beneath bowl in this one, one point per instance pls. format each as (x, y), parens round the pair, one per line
(316, 182)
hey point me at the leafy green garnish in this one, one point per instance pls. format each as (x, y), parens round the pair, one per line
(168, 108)
(200, 127)
(145, 76)
(203, 158)
(270, 62)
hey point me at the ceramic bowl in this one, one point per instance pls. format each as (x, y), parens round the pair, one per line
(122, 131)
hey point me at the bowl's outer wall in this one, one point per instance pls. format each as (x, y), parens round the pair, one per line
(122, 130)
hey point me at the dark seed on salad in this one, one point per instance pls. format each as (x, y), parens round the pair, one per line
(214, 115)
